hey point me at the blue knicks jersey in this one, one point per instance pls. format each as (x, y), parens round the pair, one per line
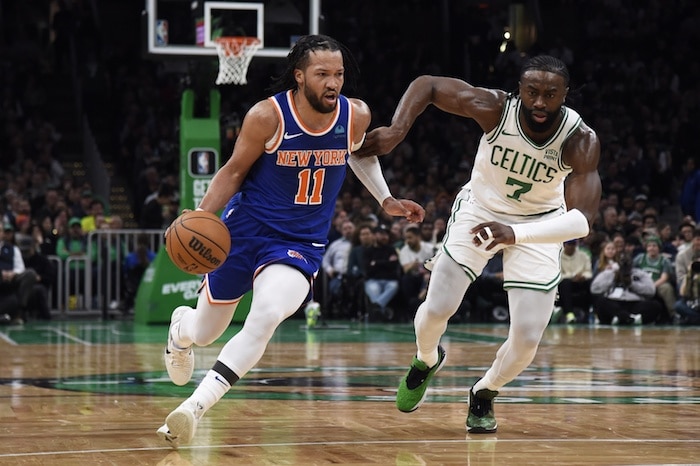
(292, 188)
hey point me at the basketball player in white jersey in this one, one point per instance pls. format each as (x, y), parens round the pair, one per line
(517, 200)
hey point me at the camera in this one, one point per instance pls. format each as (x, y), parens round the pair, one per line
(695, 266)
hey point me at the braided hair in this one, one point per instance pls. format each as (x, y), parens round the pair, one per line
(546, 63)
(298, 58)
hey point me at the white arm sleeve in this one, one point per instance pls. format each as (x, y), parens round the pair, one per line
(369, 172)
(573, 224)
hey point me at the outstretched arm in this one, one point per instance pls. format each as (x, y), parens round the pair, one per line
(448, 94)
(369, 172)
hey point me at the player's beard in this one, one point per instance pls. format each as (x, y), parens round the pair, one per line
(317, 104)
(536, 126)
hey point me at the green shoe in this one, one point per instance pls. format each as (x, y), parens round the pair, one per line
(481, 419)
(413, 387)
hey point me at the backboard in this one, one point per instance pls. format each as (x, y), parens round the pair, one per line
(188, 27)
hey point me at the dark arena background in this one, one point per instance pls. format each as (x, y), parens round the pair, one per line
(112, 123)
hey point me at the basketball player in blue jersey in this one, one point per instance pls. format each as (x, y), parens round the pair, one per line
(278, 193)
(516, 201)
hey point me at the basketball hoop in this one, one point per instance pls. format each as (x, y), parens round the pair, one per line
(235, 54)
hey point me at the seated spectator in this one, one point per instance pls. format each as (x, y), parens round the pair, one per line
(607, 258)
(668, 249)
(426, 230)
(685, 235)
(79, 207)
(633, 246)
(611, 224)
(396, 231)
(574, 288)
(336, 230)
(95, 216)
(51, 205)
(356, 270)
(382, 274)
(160, 211)
(45, 276)
(688, 305)
(661, 272)
(74, 245)
(625, 296)
(135, 265)
(414, 279)
(620, 242)
(335, 266)
(111, 250)
(650, 222)
(686, 257)
(16, 279)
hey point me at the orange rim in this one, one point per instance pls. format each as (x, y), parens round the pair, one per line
(233, 45)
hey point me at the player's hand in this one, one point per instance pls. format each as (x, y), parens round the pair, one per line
(413, 212)
(492, 234)
(380, 141)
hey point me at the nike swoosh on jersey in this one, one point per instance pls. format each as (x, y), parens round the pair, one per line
(317, 245)
(291, 136)
(505, 133)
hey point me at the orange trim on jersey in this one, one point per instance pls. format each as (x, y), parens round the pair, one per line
(297, 117)
(205, 287)
(351, 128)
(270, 148)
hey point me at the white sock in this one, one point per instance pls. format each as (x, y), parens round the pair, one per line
(210, 390)
(430, 359)
(483, 384)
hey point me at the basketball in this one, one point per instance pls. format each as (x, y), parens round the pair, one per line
(197, 242)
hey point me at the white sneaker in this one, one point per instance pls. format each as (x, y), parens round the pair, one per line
(181, 424)
(637, 319)
(615, 320)
(178, 362)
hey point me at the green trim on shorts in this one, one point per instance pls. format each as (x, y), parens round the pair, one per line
(453, 213)
(470, 273)
(533, 286)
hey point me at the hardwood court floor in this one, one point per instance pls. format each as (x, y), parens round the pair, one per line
(94, 393)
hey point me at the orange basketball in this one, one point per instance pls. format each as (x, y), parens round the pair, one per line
(197, 242)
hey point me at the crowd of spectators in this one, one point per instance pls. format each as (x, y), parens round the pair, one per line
(631, 80)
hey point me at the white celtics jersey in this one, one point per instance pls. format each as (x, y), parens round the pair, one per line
(516, 176)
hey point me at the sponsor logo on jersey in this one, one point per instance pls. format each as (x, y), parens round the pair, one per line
(551, 154)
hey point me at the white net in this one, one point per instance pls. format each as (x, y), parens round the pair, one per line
(235, 54)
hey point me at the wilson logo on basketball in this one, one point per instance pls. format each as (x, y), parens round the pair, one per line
(198, 247)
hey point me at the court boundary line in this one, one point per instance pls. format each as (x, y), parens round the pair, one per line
(488, 440)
